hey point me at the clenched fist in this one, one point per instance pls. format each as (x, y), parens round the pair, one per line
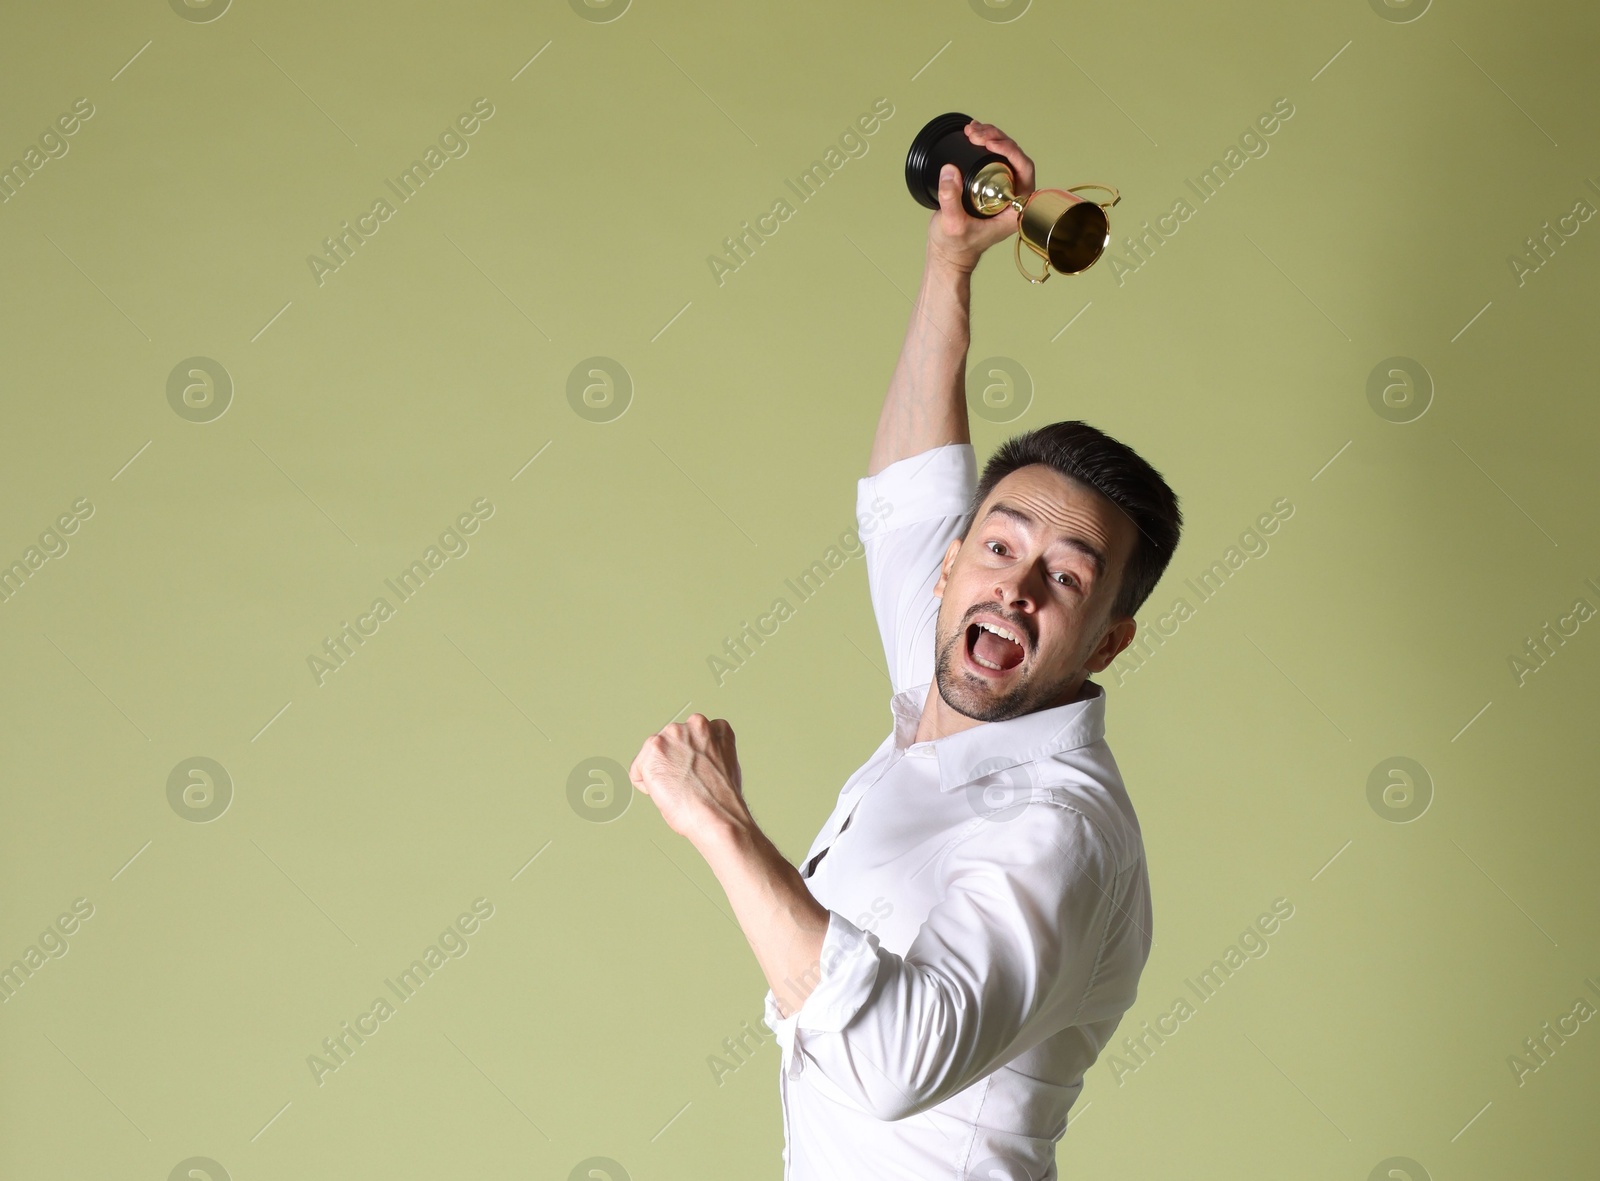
(691, 772)
(954, 235)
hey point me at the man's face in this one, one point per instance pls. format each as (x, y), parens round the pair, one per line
(1043, 561)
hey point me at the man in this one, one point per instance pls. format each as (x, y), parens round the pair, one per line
(969, 926)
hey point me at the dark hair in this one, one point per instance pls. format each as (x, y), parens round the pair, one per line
(1091, 457)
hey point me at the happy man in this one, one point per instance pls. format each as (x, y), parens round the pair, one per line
(988, 843)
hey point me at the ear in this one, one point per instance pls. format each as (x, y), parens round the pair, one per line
(950, 553)
(1118, 636)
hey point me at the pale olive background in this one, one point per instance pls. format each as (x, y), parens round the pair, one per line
(369, 412)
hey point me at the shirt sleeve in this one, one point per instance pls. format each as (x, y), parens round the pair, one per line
(917, 506)
(1004, 960)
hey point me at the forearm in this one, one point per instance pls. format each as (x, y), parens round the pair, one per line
(926, 405)
(783, 923)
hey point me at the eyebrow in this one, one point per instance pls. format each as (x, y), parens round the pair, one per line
(1094, 555)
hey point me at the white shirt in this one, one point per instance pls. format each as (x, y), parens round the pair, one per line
(989, 905)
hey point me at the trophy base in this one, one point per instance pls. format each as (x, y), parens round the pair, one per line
(941, 141)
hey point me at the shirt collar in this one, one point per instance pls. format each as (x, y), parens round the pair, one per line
(995, 746)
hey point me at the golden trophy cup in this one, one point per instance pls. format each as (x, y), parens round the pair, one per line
(1066, 231)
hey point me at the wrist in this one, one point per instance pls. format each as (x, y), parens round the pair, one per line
(720, 834)
(946, 263)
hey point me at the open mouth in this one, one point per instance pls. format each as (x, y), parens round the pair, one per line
(992, 649)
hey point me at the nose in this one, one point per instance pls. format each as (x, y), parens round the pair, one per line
(1019, 587)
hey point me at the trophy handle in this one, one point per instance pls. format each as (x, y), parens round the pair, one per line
(1115, 195)
(1023, 269)
(1021, 208)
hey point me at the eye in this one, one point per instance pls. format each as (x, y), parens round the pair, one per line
(1071, 581)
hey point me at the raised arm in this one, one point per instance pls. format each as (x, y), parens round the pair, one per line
(926, 405)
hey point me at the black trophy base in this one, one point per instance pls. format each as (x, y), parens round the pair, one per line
(943, 141)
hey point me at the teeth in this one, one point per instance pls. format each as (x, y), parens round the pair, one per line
(1003, 633)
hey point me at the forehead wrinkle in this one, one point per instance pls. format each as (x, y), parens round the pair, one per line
(1126, 515)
